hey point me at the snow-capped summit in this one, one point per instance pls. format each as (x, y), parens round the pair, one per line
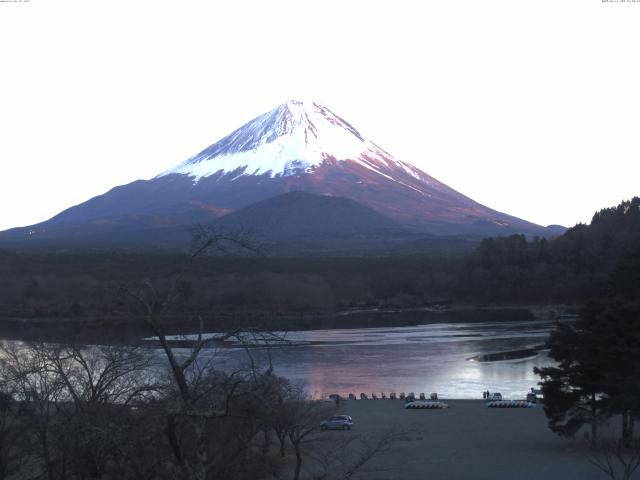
(295, 137)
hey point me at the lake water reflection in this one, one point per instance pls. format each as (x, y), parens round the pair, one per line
(425, 358)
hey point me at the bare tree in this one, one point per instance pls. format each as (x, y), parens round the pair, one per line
(201, 394)
(155, 305)
(616, 459)
(75, 402)
(28, 376)
(100, 386)
(11, 437)
(344, 458)
(305, 416)
(279, 417)
(102, 375)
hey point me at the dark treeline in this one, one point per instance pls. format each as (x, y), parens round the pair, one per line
(73, 286)
(572, 268)
(502, 271)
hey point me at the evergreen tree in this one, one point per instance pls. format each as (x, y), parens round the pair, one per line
(573, 390)
(598, 371)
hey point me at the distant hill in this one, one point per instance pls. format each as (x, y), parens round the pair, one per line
(299, 213)
(300, 223)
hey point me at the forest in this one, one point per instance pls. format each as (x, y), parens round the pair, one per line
(503, 271)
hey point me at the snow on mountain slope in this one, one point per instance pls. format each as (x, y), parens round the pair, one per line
(293, 138)
(305, 146)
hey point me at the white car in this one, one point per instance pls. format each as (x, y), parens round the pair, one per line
(337, 422)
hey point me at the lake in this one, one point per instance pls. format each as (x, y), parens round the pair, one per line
(424, 358)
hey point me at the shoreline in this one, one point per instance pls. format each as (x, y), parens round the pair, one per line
(127, 330)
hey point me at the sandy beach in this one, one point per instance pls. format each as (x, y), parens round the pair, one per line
(466, 441)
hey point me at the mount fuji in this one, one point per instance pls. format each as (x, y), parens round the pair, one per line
(298, 146)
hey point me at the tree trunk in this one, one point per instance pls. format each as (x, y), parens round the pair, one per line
(296, 475)
(44, 442)
(266, 445)
(200, 469)
(594, 430)
(174, 443)
(627, 428)
(282, 440)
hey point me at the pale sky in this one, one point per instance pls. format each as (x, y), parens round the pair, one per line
(529, 107)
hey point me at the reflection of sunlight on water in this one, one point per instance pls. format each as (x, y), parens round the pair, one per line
(429, 358)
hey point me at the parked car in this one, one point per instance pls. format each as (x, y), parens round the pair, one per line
(337, 422)
(494, 397)
(532, 398)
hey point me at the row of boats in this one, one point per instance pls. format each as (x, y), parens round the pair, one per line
(493, 400)
(392, 396)
(430, 404)
(510, 404)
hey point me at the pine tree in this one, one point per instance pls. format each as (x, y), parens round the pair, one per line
(574, 390)
(598, 371)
